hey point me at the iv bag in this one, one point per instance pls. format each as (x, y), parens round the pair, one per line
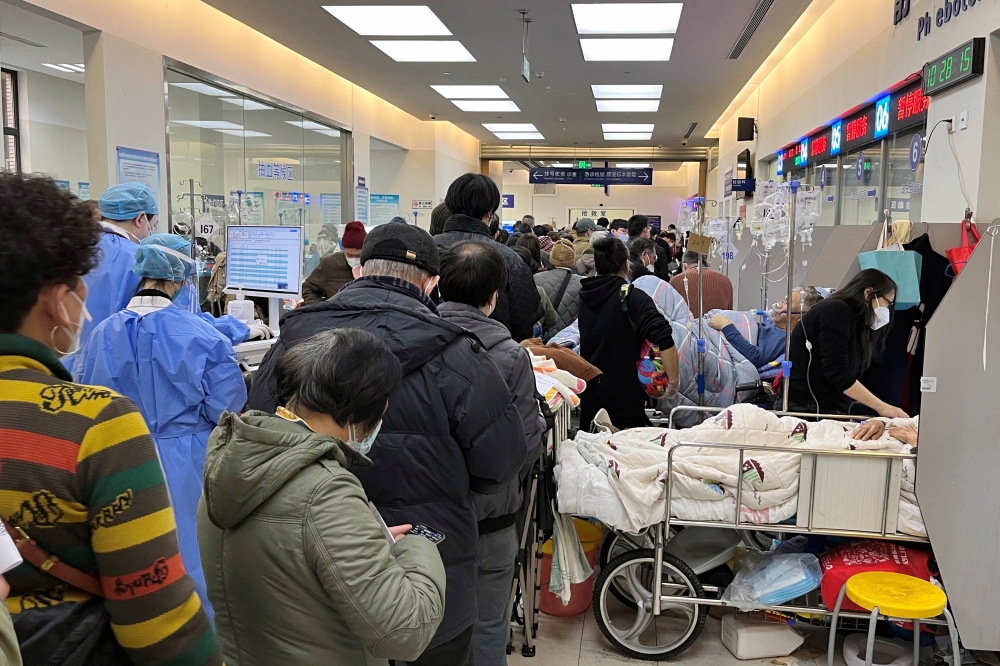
(808, 208)
(687, 216)
(718, 228)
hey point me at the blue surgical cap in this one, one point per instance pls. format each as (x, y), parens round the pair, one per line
(127, 201)
(164, 257)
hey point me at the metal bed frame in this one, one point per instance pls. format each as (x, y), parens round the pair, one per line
(808, 605)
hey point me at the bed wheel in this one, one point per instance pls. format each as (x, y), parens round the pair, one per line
(634, 631)
(615, 545)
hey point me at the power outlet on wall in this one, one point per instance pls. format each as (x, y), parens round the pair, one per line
(963, 120)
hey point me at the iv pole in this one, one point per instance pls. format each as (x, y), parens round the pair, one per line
(786, 365)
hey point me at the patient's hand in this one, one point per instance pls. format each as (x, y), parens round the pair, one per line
(869, 430)
(906, 434)
(718, 322)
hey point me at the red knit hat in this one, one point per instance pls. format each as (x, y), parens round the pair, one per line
(354, 236)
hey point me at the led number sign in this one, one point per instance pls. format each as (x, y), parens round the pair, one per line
(803, 157)
(836, 138)
(955, 67)
(780, 170)
(909, 107)
(881, 118)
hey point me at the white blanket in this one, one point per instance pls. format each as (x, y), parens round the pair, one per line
(620, 478)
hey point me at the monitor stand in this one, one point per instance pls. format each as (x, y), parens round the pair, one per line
(274, 314)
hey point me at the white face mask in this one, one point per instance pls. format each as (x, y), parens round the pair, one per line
(74, 336)
(881, 316)
(365, 445)
(353, 261)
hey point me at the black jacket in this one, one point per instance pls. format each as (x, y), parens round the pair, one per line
(451, 427)
(833, 327)
(326, 280)
(520, 307)
(611, 339)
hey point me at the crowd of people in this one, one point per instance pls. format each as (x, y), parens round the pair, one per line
(357, 499)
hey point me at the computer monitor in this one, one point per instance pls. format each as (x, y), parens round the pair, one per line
(264, 261)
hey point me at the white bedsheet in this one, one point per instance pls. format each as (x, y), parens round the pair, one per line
(619, 479)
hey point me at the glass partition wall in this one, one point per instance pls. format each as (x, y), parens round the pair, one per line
(257, 164)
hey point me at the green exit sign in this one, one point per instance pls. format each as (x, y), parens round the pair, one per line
(597, 185)
(585, 165)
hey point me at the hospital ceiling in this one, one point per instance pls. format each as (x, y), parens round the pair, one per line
(699, 80)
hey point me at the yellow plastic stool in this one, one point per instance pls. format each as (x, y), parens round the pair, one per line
(898, 596)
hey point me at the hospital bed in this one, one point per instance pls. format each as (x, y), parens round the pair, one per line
(837, 492)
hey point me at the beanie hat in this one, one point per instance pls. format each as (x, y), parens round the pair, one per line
(354, 236)
(405, 243)
(562, 255)
(545, 242)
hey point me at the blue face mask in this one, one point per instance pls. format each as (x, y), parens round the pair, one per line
(365, 445)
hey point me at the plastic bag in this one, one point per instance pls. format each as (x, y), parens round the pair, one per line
(776, 580)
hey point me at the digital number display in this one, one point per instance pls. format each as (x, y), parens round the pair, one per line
(954, 67)
(836, 138)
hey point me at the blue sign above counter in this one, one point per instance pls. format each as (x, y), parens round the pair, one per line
(596, 176)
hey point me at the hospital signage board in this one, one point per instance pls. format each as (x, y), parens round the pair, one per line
(594, 176)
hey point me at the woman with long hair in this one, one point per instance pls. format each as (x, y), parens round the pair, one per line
(615, 321)
(834, 344)
(531, 244)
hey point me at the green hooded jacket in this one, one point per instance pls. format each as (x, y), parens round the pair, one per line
(298, 569)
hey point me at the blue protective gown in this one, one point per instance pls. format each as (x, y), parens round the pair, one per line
(182, 374)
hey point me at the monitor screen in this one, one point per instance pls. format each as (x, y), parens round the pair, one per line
(264, 261)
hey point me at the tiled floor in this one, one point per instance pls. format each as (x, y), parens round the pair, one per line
(578, 641)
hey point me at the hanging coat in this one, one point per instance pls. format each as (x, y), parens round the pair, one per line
(182, 375)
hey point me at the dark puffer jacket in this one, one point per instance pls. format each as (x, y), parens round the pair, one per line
(569, 307)
(451, 427)
(518, 308)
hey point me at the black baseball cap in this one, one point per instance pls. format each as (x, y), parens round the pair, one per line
(405, 243)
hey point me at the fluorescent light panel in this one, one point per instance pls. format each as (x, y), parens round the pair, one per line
(510, 127)
(246, 134)
(75, 68)
(210, 124)
(627, 50)
(627, 136)
(560, 165)
(626, 127)
(306, 124)
(61, 68)
(247, 104)
(627, 92)
(471, 92)
(478, 105)
(630, 18)
(204, 89)
(328, 132)
(518, 136)
(628, 105)
(625, 165)
(424, 51)
(391, 20)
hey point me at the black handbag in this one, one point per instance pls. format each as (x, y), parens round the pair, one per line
(69, 634)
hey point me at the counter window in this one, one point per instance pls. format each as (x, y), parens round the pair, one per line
(905, 185)
(861, 195)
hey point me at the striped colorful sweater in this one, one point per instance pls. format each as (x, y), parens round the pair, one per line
(80, 474)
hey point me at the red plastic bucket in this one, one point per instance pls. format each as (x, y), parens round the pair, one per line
(591, 537)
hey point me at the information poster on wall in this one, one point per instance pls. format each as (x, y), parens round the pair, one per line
(329, 208)
(383, 207)
(361, 205)
(63, 184)
(83, 190)
(140, 166)
(251, 215)
(596, 213)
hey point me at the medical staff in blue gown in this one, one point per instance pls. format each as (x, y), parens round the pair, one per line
(178, 369)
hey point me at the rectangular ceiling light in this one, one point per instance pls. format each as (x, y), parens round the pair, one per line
(561, 165)
(628, 105)
(210, 124)
(61, 68)
(247, 104)
(627, 136)
(627, 92)
(424, 51)
(510, 127)
(626, 127)
(75, 68)
(247, 134)
(629, 165)
(471, 92)
(519, 136)
(498, 105)
(629, 18)
(204, 89)
(306, 124)
(627, 50)
(328, 132)
(390, 20)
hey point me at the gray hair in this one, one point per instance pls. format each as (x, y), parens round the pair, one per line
(808, 297)
(598, 235)
(397, 269)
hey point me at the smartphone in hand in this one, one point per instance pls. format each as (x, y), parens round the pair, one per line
(431, 534)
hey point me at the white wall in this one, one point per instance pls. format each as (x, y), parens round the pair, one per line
(852, 53)
(662, 198)
(53, 124)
